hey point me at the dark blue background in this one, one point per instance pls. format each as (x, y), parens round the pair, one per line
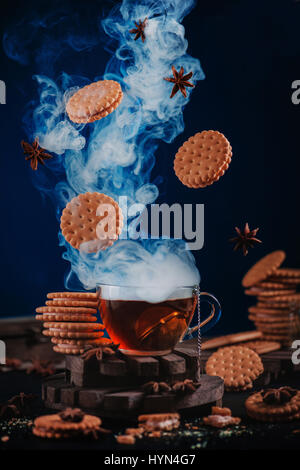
(250, 53)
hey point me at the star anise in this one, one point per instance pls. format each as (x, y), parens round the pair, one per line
(8, 411)
(180, 81)
(94, 432)
(139, 30)
(185, 386)
(72, 415)
(156, 387)
(245, 239)
(278, 396)
(18, 405)
(99, 352)
(35, 153)
(22, 400)
(43, 368)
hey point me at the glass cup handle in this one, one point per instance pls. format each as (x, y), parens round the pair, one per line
(213, 317)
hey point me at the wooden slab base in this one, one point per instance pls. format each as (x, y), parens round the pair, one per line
(112, 387)
(123, 403)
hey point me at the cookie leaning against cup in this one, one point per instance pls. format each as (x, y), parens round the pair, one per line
(94, 101)
(202, 159)
(238, 366)
(92, 222)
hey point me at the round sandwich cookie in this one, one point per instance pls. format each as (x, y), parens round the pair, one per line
(61, 317)
(80, 342)
(285, 340)
(261, 347)
(202, 159)
(94, 101)
(91, 222)
(273, 319)
(273, 285)
(69, 423)
(67, 310)
(73, 326)
(82, 334)
(71, 303)
(290, 273)
(90, 296)
(238, 366)
(264, 268)
(268, 311)
(274, 405)
(64, 348)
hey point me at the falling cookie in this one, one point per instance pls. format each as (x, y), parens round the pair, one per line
(91, 222)
(202, 159)
(94, 101)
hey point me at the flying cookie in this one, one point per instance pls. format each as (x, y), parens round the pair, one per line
(91, 222)
(94, 101)
(203, 159)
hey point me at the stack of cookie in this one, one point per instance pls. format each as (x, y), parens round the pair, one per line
(238, 366)
(70, 319)
(276, 313)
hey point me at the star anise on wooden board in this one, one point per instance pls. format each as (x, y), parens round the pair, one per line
(152, 387)
(246, 239)
(139, 30)
(72, 415)
(180, 81)
(99, 352)
(35, 153)
(278, 396)
(185, 386)
(42, 368)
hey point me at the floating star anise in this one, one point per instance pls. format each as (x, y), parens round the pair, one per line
(139, 30)
(99, 352)
(35, 153)
(278, 396)
(180, 81)
(41, 367)
(245, 239)
(72, 415)
(185, 386)
(156, 387)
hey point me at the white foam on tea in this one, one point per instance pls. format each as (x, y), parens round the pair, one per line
(146, 294)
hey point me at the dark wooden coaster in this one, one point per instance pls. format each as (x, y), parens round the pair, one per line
(132, 371)
(112, 387)
(115, 402)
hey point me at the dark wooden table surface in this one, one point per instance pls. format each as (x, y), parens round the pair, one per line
(192, 436)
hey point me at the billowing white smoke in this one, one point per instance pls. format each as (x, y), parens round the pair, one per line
(116, 154)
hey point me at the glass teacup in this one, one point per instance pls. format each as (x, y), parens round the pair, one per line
(145, 328)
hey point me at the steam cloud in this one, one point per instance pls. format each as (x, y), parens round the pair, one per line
(116, 154)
